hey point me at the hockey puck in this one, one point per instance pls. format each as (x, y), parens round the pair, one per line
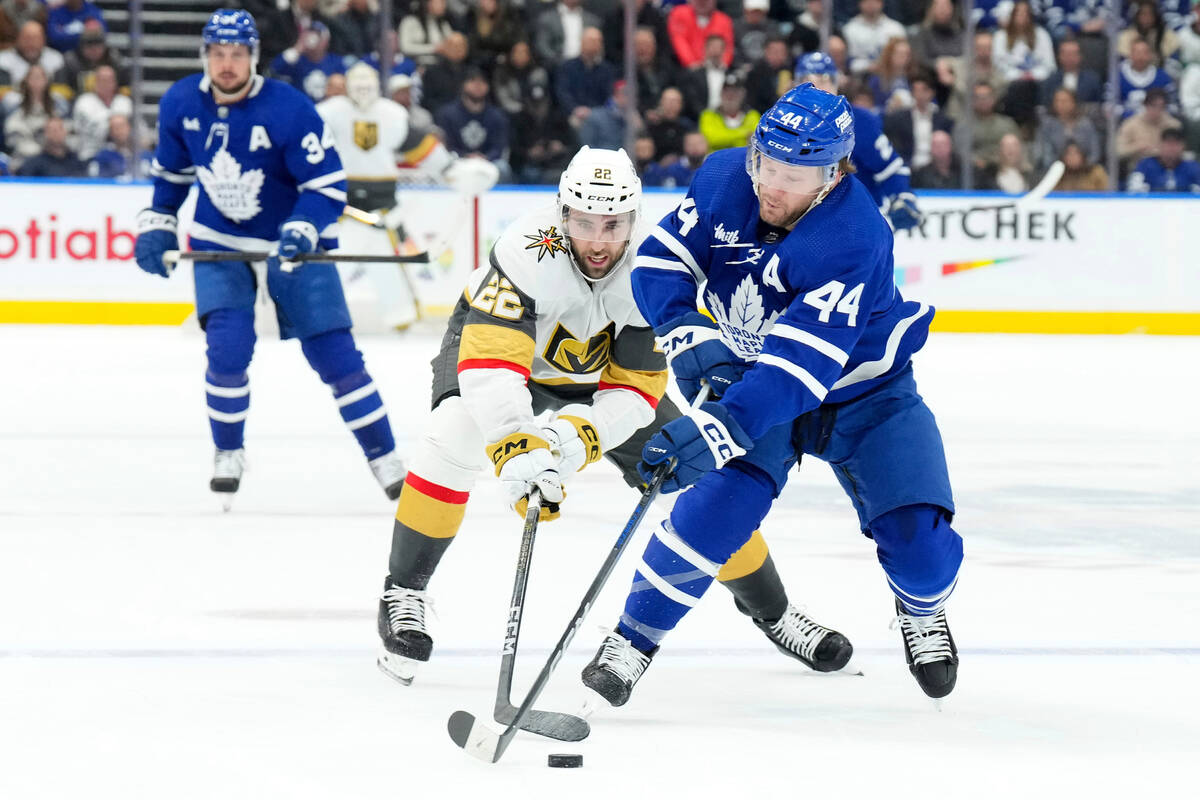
(564, 760)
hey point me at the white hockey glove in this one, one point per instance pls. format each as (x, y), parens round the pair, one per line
(573, 440)
(523, 462)
(471, 176)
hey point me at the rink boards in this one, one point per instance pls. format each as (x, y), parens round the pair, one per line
(1068, 264)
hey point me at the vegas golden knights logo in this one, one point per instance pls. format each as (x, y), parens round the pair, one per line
(580, 358)
(366, 134)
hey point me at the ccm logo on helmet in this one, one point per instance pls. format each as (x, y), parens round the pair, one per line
(603, 198)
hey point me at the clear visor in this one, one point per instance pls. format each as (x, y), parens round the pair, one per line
(598, 227)
(799, 179)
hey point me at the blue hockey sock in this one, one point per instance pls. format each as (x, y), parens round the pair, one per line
(230, 336)
(340, 365)
(921, 555)
(670, 579)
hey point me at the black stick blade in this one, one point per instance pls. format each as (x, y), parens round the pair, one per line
(551, 724)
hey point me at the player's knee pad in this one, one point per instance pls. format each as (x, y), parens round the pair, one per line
(230, 336)
(920, 552)
(720, 513)
(450, 452)
(333, 355)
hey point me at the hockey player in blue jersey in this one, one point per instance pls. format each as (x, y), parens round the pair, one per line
(270, 180)
(808, 346)
(876, 163)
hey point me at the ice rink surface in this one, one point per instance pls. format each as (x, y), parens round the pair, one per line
(154, 647)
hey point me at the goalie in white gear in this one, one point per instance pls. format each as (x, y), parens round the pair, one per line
(546, 366)
(373, 134)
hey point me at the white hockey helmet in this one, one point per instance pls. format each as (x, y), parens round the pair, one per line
(362, 84)
(604, 185)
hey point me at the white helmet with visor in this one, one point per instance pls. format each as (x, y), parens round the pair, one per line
(599, 199)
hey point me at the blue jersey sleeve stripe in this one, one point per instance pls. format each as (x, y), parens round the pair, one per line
(815, 342)
(679, 249)
(650, 262)
(799, 373)
(896, 167)
(333, 194)
(873, 369)
(323, 180)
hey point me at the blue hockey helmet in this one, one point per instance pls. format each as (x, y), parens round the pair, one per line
(798, 144)
(231, 26)
(815, 64)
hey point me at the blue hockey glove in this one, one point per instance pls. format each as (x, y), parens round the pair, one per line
(695, 353)
(704, 440)
(156, 234)
(903, 212)
(296, 237)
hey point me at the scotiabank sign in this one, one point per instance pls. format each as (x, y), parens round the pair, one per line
(47, 239)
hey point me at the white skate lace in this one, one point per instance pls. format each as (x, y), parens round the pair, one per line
(928, 638)
(229, 463)
(621, 658)
(798, 633)
(406, 609)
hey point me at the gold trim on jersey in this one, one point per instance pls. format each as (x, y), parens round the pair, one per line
(484, 342)
(748, 558)
(648, 382)
(570, 355)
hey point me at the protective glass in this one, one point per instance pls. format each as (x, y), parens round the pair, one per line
(799, 179)
(598, 227)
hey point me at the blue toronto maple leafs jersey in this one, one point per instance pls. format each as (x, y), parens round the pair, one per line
(814, 310)
(263, 160)
(880, 167)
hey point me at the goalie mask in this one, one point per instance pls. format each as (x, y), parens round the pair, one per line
(362, 85)
(599, 199)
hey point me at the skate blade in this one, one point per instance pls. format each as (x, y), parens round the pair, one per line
(226, 501)
(398, 668)
(851, 668)
(592, 702)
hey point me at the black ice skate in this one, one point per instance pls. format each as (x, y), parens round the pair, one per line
(929, 648)
(817, 647)
(616, 668)
(406, 640)
(228, 466)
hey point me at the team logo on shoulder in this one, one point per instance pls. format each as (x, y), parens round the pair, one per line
(547, 242)
(366, 134)
(234, 193)
(580, 358)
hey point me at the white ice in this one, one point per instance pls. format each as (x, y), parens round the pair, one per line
(153, 647)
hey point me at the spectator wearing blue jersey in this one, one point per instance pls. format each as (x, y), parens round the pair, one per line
(678, 173)
(67, 21)
(308, 65)
(1138, 74)
(475, 128)
(1166, 172)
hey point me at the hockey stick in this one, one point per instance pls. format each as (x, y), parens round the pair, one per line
(395, 237)
(1046, 185)
(172, 256)
(484, 743)
(551, 724)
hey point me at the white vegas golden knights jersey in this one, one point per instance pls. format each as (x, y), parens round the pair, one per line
(368, 140)
(530, 315)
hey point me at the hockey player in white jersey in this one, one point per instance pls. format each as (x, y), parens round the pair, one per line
(373, 133)
(270, 181)
(550, 325)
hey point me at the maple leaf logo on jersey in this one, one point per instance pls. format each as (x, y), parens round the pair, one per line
(232, 192)
(743, 325)
(549, 241)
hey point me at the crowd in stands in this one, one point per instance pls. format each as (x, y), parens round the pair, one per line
(524, 83)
